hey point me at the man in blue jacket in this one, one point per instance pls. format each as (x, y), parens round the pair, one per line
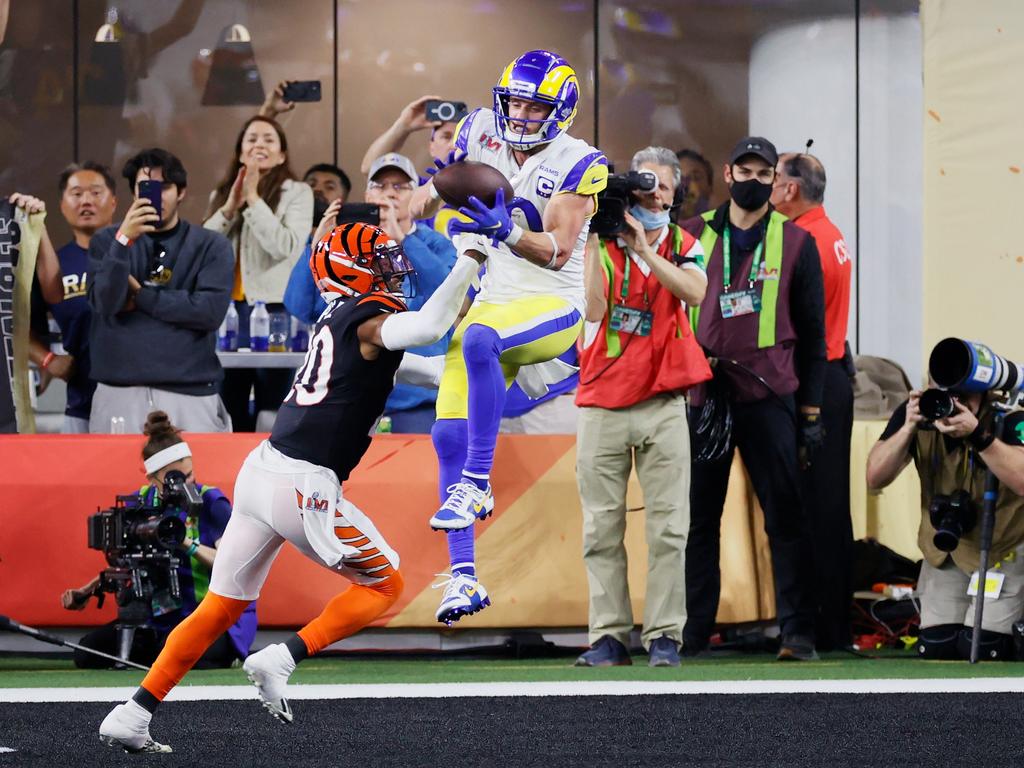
(393, 178)
(158, 289)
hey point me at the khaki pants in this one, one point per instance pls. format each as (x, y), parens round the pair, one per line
(653, 435)
(944, 599)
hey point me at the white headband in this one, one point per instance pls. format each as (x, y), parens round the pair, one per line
(161, 459)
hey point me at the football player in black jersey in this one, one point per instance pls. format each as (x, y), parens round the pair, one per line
(290, 486)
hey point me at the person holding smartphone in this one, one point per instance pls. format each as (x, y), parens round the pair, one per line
(158, 290)
(266, 213)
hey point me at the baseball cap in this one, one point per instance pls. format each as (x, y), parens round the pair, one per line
(757, 146)
(394, 160)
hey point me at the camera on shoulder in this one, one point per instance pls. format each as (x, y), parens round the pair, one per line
(615, 199)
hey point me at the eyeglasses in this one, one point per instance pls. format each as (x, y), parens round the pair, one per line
(406, 186)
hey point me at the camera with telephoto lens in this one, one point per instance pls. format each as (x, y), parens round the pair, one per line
(615, 199)
(141, 543)
(936, 404)
(952, 516)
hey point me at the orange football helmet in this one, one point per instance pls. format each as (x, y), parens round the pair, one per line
(357, 258)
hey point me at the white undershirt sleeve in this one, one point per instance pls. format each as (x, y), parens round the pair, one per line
(433, 320)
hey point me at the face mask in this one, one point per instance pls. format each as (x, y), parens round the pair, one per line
(649, 220)
(750, 194)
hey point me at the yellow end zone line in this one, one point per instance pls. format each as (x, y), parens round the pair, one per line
(567, 688)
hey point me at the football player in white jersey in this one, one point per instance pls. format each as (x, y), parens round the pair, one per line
(530, 306)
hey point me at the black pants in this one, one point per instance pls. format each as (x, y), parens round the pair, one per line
(146, 646)
(765, 433)
(826, 487)
(268, 385)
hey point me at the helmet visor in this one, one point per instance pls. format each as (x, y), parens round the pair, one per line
(396, 273)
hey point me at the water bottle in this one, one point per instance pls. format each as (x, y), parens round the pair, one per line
(259, 328)
(227, 336)
(278, 337)
(300, 335)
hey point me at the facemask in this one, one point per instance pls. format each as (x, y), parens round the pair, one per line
(750, 194)
(649, 220)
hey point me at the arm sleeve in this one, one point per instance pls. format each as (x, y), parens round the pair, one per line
(896, 421)
(203, 307)
(807, 303)
(282, 238)
(217, 222)
(588, 176)
(109, 267)
(433, 320)
(218, 511)
(421, 370)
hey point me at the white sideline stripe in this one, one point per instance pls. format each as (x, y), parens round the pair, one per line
(7, 749)
(569, 688)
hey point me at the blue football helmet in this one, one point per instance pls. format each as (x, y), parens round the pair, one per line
(539, 76)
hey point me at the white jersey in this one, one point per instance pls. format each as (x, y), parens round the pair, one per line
(564, 165)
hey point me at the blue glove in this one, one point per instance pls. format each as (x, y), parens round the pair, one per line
(453, 157)
(495, 222)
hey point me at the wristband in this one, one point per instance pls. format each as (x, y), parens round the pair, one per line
(554, 248)
(123, 239)
(47, 360)
(514, 236)
(193, 547)
(981, 438)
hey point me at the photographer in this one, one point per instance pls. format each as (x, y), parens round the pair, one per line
(639, 357)
(164, 452)
(951, 455)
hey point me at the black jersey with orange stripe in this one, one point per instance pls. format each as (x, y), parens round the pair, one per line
(332, 410)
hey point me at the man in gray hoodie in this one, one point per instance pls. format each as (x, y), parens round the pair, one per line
(159, 288)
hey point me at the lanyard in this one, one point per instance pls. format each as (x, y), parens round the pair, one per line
(625, 280)
(726, 256)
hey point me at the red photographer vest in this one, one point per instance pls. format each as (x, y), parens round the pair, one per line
(620, 369)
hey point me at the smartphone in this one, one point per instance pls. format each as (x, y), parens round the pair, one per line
(302, 90)
(444, 111)
(152, 191)
(367, 213)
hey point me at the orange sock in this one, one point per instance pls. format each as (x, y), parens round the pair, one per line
(350, 611)
(189, 640)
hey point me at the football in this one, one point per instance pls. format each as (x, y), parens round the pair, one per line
(457, 182)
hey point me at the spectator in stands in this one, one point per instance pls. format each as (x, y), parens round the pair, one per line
(639, 357)
(158, 289)
(951, 456)
(87, 203)
(697, 183)
(799, 193)
(267, 214)
(413, 118)
(392, 181)
(329, 183)
(764, 310)
(331, 188)
(165, 451)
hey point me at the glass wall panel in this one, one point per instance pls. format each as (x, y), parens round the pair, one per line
(36, 97)
(392, 51)
(184, 80)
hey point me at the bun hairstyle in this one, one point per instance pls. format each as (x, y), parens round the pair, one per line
(161, 433)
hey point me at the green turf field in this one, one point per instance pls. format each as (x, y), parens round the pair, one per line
(26, 672)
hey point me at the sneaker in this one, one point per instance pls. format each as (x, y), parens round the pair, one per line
(606, 652)
(465, 504)
(269, 671)
(463, 595)
(127, 726)
(797, 648)
(663, 652)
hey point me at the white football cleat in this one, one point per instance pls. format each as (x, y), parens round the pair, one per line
(464, 506)
(463, 596)
(269, 671)
(127, 726)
